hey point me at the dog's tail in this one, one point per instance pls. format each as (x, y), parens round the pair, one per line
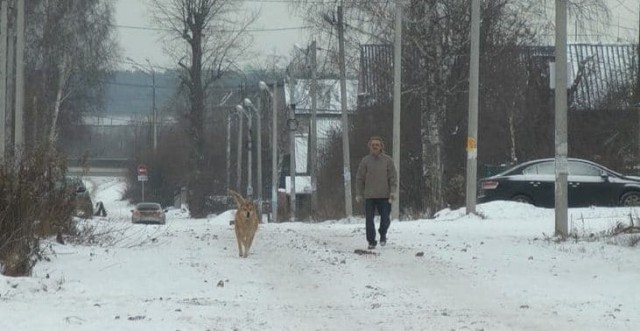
(237, 197)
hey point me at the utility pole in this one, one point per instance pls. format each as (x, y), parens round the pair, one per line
(10, 96)
(397, 106)
(637, 92)
(239, 153)
(228, 178)
(4, 24)
(562, 170)
(247, 103)
(313, 141)
(472, 130)
(249, 152)
(292, 126)
(274, 152)
(259, 156)
(345, 118)
(19, 110)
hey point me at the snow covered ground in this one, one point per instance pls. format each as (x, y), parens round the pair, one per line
(504, 271)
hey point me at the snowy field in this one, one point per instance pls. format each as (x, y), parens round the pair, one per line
(503, 271)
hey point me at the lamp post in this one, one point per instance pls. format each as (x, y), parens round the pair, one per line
(239, 115)
(292, 126)
(228, 151)
(249, 104)
(249, 150)
(239, 112)
(274, 148)
(153, 106)
(151, 72)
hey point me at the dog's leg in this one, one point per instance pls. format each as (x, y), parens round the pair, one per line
(246, 248)
(249, 241)
(239, 240)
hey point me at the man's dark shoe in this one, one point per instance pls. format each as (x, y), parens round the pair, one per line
(383, 242)
(372, 245)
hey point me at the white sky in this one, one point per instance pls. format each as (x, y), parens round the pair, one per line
(504, 271)
(140, 44)
(624, 19)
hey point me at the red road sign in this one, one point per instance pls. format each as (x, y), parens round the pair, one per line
(142, 170)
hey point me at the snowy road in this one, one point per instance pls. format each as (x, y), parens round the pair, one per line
(492, 274)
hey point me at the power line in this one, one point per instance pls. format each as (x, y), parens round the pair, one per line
(147, 28)
(325, 2)
(135, 85)
(625, 6)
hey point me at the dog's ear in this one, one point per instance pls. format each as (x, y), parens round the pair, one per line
(237, 197)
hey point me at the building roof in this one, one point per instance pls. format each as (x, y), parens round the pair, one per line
(328, 99)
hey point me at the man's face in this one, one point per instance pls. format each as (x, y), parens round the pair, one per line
(375, 147)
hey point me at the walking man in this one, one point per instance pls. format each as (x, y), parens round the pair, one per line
(375, 182)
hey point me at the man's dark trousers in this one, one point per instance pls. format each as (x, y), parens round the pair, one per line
(384, 209)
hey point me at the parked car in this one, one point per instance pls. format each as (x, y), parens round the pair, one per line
(148, 212)
(589, 184)
(74, 189)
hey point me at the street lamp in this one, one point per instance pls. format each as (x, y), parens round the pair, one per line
(239, 112)
(274, 148)
(151, 72)
(239, 154)
(247, 103)
(249, 150)
(153, 106)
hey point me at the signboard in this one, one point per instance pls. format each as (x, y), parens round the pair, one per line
(142, 170)
(472, 148)
(142, 173)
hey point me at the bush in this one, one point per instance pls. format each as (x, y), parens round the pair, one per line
(32, 206)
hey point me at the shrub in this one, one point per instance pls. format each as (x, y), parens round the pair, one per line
(32, 206)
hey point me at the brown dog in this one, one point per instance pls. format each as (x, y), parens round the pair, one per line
(246, 223)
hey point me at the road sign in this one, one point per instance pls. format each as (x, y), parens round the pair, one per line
(142, 170)
(143, 178)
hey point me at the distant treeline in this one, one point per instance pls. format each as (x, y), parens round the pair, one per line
(131, 92)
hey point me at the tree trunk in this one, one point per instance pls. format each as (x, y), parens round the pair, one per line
(512, 133)
(53, 132)
(432, 156)
(198, 186)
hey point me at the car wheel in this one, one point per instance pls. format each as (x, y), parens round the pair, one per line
(631, 198)
(522, 198)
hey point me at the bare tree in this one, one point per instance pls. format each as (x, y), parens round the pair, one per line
(589, 17)
(70, 48)
(435, 50)
(214, 33)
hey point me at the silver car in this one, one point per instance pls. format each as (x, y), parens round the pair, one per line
(148, 212)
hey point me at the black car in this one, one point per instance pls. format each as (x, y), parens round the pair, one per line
(76, 192)
(589, 184)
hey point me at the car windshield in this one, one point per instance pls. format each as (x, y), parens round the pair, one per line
(148, 206)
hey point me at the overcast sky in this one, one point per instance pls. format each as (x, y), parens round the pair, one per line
(140, 43)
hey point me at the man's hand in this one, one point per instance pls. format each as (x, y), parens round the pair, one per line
(358, 198)
(392, 197)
